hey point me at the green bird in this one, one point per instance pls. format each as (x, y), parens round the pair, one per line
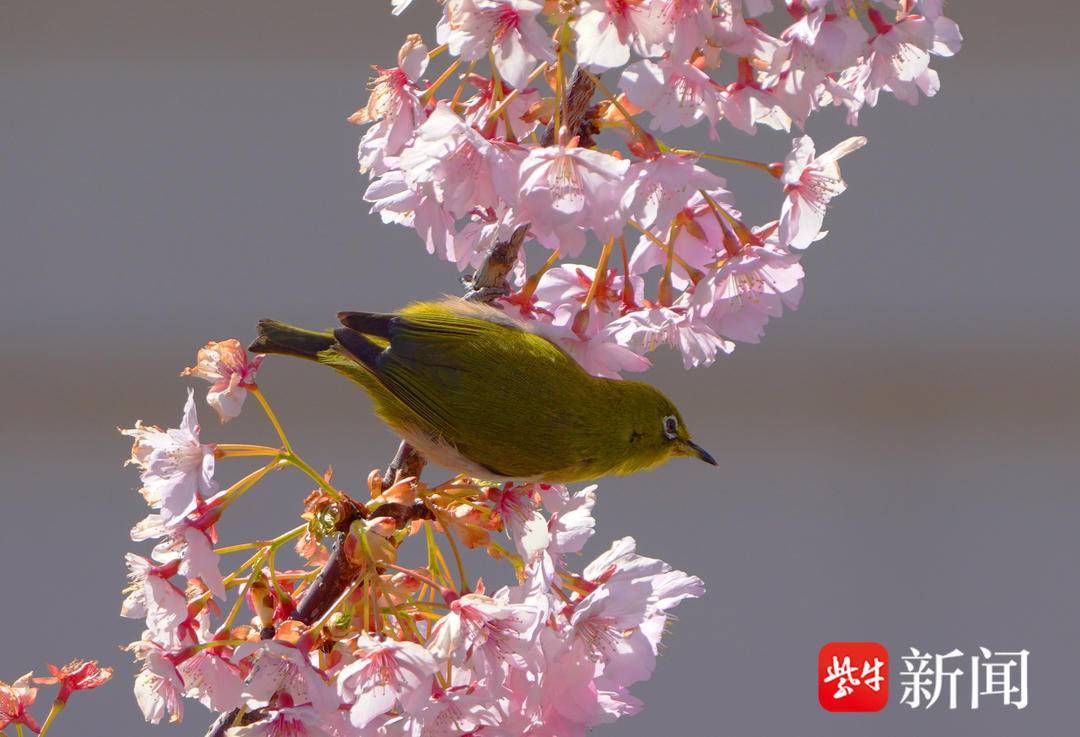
(480, 393)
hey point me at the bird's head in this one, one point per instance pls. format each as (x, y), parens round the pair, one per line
(654, 429)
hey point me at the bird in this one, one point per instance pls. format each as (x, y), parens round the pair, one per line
(481, 393)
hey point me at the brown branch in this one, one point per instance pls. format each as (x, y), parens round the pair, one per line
(575, 109)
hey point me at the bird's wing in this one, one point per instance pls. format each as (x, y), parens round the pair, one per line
(459, 370)
(422, 356)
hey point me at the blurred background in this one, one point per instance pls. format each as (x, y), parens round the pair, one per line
(898, 458)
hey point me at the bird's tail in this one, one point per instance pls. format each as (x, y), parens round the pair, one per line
(277, 337)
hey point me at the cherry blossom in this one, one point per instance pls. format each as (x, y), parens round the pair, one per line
(394, 107)
(607, 30)
(212, 680)
(15, 699)
(567, 190)
(739, 298)
(515, 507)
(384, 674)
(505, 28)
(151, 595)
(193, 549)
(279, 668)
(570, 522)
(293, 721)
(811, 183)
(643, 330)
(676, 94)
(78, 675)
(177, 469)
(455, 161)
(158, 685)
(486, 634)
(226, 366)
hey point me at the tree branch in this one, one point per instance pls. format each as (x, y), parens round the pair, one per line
(575, 109)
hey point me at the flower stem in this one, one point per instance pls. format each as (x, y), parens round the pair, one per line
(430, 91)
(457, 558)
(240, 450)
(298, 462)
(273, 418)
(600, 277)
(772, 171)
(498, 109)
(238, 489)
(415, 574)
(57, 707)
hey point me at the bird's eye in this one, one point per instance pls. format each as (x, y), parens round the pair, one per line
(671, 427)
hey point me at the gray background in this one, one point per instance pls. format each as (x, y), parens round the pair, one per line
(898, 459)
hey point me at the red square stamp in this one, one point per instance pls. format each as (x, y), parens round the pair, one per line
(853, 676)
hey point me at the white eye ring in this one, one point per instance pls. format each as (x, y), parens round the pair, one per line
(671, 427)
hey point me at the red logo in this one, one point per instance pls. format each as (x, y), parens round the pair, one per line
(853, 676)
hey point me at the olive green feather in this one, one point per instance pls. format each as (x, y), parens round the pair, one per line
(457, 378)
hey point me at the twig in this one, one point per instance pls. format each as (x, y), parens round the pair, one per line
(575, 108)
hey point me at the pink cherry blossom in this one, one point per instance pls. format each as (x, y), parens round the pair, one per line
(212, 680)
(394, 107)
(643, 331)
(385, 674)
(397, 202)
(688, 24)
(152, 596)
(78, 675)
(486, 634)
(194, 550)
(177, 469)
(292, 721)
(506, 28)
(598, 357)
(745, 104)
(663, 186)
(516, 507)
(567, 191)
(811, 183)
(677, 94)
(454, 161)
(15, 701)
(607, 30)
(479, 107)
(158, 685)
(701, 237)
(226, 366)
(738, 299)
(899, 57)
(278, 668)
(455, 712)
(570, 521)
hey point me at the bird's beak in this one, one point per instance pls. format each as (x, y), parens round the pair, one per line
(696, 450)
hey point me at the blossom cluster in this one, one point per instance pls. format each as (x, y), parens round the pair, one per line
(17, 697)
(466, 164)
(402, 651)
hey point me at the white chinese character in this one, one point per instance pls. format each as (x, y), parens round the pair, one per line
(923, 682)
(997, 677)
(871, 674)
(845, 675)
